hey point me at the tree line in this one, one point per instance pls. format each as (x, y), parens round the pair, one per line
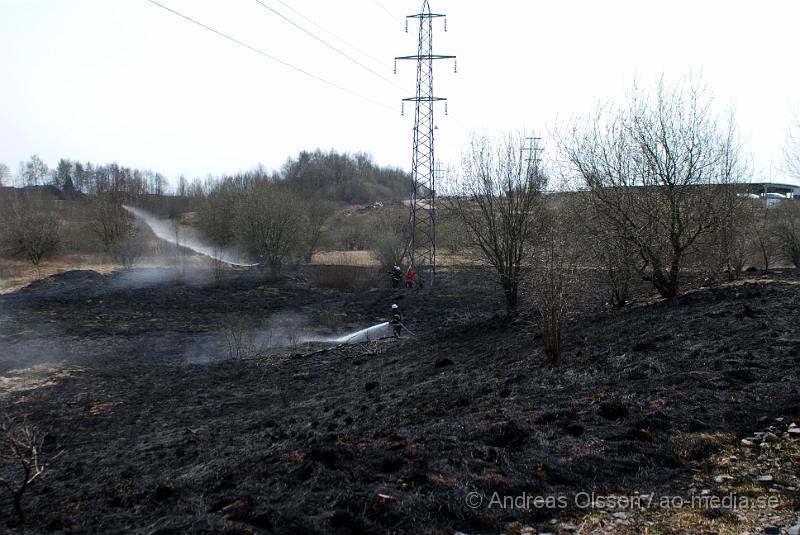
(87, 178)
(339, 177)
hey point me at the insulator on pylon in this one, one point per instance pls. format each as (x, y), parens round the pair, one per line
(445, 107)
(406, 25)
(395, 66)
(402, 108)
(445, 24)
(455, 66)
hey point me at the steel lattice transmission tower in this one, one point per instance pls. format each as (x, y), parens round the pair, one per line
(421, 249)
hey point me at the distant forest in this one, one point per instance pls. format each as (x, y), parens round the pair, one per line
(339, 177)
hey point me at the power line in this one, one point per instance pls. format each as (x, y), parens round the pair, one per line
(273, 58)
(340, 39)
(324, 42)
(389, 13)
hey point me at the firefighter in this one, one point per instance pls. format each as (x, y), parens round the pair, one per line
(397, 276)
(410, 277)
(396, 321)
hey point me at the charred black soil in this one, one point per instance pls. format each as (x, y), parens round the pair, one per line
(162, 433)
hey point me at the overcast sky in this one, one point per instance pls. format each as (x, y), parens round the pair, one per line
(127, 81)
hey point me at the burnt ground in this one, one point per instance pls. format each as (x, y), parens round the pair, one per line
(161, 432)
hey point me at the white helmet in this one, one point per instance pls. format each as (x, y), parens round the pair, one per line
(394, 306)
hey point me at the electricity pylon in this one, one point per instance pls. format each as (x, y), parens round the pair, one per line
(421, 249)
(532, 152)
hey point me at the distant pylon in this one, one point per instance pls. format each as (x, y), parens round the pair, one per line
(532, 155)
(422, 245)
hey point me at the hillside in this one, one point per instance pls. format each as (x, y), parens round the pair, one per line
(162, 433)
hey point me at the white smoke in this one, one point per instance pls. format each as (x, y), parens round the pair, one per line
(166, 230)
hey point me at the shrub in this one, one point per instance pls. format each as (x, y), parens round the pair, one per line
(20, 452)
(29, 231)
(554, 276)
(117, 229)
(787, 232)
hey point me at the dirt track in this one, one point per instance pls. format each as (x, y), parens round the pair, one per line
(162, 434)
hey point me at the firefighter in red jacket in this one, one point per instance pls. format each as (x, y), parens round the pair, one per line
(410, 277)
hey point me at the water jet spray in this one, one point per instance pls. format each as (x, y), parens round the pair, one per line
(165, 230)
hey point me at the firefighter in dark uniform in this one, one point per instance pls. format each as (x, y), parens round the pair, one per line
(396, 321)
(397, 276)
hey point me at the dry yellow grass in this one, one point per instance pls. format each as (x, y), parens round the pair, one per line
(19, 381)
(460, 260)
(345, 258)
(16, 274)
(367, 259)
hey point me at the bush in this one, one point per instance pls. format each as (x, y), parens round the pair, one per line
(270, 225)
(20, 452)
(728, 248)
(764, 235)
(656, 171)
(553, 277)
(243, 341)
(787, 232)
(117, 229)
(390, 239)
(29, 231)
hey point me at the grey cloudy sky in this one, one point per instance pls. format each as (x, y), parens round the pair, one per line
(126, 81)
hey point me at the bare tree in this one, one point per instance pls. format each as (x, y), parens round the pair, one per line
(497, 198)
(34, 172)
(791, 151)
(5, 174)
(318, 212)
(655, 171)
(735, 237)
(196, 188)
(216, 220)
(183, 186)
(20, 452)
(390, 238)
(81, 177)
(615, 257)
(28, 230)
(787, 231)
(63, 173)
(553, 277)
(450, 234)
(117, 229)
(270, 224)
(764, 234)
(618, 260)
(217, 214)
